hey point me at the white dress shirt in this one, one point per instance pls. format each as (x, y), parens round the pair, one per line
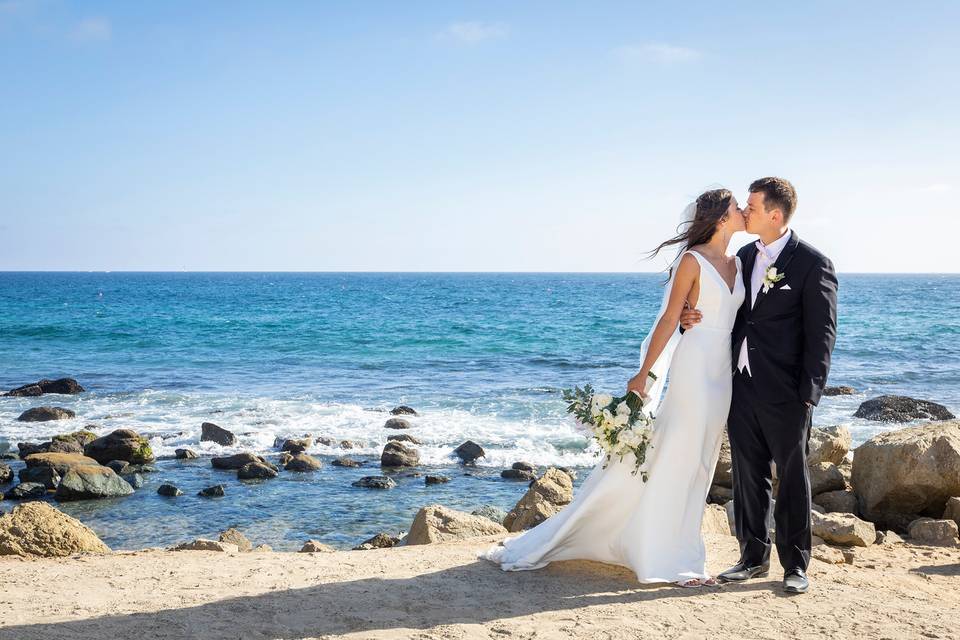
(766, 256)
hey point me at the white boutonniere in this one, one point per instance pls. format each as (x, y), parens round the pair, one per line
(771, 277)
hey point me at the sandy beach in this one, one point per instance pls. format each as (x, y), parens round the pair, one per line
(443, 591)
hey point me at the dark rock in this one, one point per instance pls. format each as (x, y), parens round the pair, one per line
(375, 482)
(469, 451)
(403, 437)
(256, 471)
(325, 441)
(396, 455)
(45, 414)
(6, 474)
(26, 491)
(518, 474)
(397, 423)
(186, 454)
(302, 462)
(237, 460)
(902, 409)
(296, 446)
(135, 480)
(379, 541)
(840, 390)
(141, 468)
(118, 466)
(403, 410)
(216, 491)
(284, 458)
(169, 490)
(61, 385)
(346, 462)
(47, 476)
(436, 480)
(719, 495)
(210, 432)
(90, 482)
(30, 448)
(122, 444)
(523, 466)
(350, 444)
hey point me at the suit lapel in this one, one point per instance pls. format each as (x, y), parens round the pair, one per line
(748, 275)
(781, 263)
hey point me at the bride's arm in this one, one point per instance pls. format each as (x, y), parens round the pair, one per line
(687, 272)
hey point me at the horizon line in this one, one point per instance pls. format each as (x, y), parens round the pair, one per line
(427, 272)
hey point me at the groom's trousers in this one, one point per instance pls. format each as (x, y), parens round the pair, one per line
(761, 433)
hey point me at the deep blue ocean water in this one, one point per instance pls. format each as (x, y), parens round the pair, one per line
(480, 356)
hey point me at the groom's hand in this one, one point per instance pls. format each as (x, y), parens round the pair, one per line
(689, 317)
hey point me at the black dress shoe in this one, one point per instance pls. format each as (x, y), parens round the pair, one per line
(740, 572)
(795, 581)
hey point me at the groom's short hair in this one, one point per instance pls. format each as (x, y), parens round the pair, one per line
(778, 193)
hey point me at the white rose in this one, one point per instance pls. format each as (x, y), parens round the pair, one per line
(623, 408)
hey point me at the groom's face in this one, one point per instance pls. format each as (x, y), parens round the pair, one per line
(756, 217)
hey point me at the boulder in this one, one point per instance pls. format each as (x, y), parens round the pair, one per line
(825, 476)
(829, 444)
(62, 462)
(900, 475)
(842, 501)
(397, 423)
(313, 546)
(840, 390)
(237, 460)
(118, 466)
(888, 537)
(168, 490)
(397, 455)
(523, 466)
(203, 544)
(436, 523)
(30, 448)
(436, 480)
(135, 480)
(122, 444)
(303, 462)
(719, 494)
(72, 442)
(518, 474)
(46, 414)
(902, 409)
(256, 471)
(403, 410)
(379, 541)
(723, 473)
(374, 482)
(210, 432)
(952, 510)
(26, 491)
(344, 461)
(38, 529)
(403, 437)
(325, 441)
(6, 473)
(545, 497)
(715, 521)
(490, 512)
(91, 482)
(186, 454)
(284, 458)
(352, 444)
(47, 476)
(298, 445)
(60, 385)
(216, 491)
(232, 536)
(843, 529)
(933, 532)
(469, 451)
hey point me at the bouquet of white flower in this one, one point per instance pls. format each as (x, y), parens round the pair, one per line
(619, 424)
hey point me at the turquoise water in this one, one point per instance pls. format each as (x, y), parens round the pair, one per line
(481, 356)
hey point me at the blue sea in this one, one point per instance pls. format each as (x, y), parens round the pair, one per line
(480, 356)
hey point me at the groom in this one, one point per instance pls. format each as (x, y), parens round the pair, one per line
(782, 340)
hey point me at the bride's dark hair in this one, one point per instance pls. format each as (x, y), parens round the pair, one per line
(711, 210)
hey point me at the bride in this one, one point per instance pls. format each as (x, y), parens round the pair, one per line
(653, 527)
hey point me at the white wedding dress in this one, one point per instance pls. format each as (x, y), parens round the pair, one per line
(653, 527)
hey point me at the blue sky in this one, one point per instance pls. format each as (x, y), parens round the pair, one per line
(466, 136)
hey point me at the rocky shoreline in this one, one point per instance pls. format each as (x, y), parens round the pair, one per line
(899, 485)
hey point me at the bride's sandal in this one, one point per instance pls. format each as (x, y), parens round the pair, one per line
(710, 582)
(692, 583)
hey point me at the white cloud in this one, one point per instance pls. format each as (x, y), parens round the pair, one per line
(657, 52)
(92, 30)
(474, 32)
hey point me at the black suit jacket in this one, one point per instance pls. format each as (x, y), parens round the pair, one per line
(792, 328)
